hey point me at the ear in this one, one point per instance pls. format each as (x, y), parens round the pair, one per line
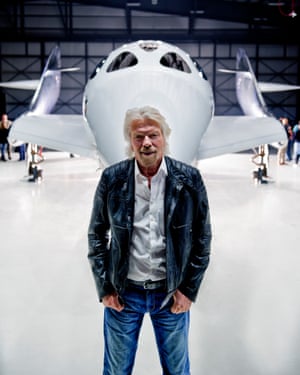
(131, 147)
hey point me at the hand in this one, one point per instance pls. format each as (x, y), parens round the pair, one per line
(181, 303)
(113, 301)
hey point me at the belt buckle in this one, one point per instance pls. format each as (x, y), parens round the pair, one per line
(148, 285)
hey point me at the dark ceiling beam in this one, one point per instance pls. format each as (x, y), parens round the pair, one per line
(9, 14)
(215, 36)
(191, 24)
(63, 8)
(128, 19)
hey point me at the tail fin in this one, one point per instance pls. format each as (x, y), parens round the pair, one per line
(249, 90)
(47, 88)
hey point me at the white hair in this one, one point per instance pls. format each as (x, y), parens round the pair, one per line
(142, 113)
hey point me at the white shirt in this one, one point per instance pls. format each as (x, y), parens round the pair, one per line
(147, 259)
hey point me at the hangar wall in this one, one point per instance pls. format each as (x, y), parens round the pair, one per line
(271, 63)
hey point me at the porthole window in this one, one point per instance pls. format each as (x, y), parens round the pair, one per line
(124, 60)
(174, 61)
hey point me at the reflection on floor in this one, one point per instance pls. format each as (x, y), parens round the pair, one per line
(246, 319)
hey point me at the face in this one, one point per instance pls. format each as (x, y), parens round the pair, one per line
(147, 143)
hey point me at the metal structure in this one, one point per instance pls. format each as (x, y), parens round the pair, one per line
(210, 31)
(238, 20)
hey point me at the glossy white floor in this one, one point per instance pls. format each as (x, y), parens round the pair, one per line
(246, 319)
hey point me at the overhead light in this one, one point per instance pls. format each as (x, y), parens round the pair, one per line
(259, 19)
(293, 14)
(134, 4)
(200, 11)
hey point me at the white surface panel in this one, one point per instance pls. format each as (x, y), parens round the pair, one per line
(246, 319)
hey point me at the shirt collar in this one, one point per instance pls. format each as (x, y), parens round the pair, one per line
(162, 170)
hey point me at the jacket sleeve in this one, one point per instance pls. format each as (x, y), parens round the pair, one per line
(201, 242)
(98, 240)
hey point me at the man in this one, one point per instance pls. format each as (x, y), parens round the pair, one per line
(296, 134)
(5, 125)
(282, 149)
(149, 246)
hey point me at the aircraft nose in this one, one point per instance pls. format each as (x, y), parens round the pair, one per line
(162, 91)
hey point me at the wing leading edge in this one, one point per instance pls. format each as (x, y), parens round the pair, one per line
(59, 132)
(227, 134)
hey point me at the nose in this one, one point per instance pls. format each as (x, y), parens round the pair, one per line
(146, 141)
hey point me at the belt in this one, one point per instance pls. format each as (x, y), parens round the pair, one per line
(148, 284)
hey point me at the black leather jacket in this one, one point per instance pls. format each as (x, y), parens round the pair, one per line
(187, 228)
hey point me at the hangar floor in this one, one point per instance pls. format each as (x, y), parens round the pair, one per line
(246, 319)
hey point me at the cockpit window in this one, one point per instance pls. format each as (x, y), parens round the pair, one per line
(174, 61)
(124, 60)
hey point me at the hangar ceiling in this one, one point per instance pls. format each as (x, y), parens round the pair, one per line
(258, 21)
(209, 30)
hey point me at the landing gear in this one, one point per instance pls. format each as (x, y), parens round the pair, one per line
(259, 174)
(35, 173)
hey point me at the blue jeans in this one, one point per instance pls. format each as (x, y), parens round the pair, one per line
(3, 147)
(121, 332)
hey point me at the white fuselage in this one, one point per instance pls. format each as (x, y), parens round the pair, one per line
(146, 73)
(184, 98)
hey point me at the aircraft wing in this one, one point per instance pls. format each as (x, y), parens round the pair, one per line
(68, 133)
(227, 134)
(22, 85)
